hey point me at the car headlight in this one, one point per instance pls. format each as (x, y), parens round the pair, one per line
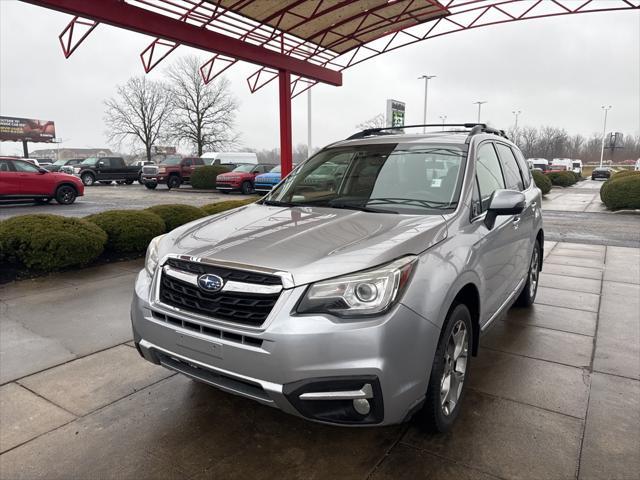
(151, 259)
(162, 170)
(366, 293)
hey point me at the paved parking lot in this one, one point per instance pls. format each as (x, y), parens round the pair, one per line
(98, 198)
(555, 393)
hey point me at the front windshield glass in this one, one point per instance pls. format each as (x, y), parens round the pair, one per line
(89, 161)
(60, 162)
(173, 160)
(394, 178)
(275, 169)
(244, 168)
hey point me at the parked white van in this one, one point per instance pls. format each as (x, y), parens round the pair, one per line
(637, 167)
(577, 166)
(211, 158)
(565, 162)
(539, 163)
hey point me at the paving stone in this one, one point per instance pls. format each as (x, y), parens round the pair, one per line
(23, 288)
(618, 339)
(572, 271)
(587, 285)
(24, 416)
(558, 318)
(582, 246)
(507, 439)
(542, 384)
(409, 463)
(540, 343)
(86, 384)
(179, 428)
(611, 447)
(574, 261)
(23, 352)
(622, 265)
(568, 299)
(582, 253)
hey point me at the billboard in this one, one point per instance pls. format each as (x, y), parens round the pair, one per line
(14, 129)
(395, 113)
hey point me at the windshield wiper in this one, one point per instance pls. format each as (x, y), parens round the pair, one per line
(360, 207)
(276, 203)
(414, 201)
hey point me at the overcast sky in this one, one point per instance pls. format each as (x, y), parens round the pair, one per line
(558, 71)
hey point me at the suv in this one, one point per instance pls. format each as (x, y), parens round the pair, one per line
(105, 170)
(241, 178)
(20, 180)
(359, 304)
(174, 171)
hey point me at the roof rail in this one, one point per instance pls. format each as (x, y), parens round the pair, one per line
(475, 128)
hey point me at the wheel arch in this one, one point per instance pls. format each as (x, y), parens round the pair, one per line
(540, 240)
(470, 296)
(65, 184)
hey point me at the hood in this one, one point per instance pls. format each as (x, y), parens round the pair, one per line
(270, 177)
(311, 243)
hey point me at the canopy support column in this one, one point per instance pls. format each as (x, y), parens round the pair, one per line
(286, 149)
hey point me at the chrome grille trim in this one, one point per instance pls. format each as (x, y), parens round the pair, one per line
(229, 286)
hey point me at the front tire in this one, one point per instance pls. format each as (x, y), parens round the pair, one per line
(246, 188)
(66, 195)
(528, 294)
(151, 186)
(449, 372)
(87, 179)
(128, 182)
(173, 182)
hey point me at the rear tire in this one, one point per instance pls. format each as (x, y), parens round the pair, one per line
(173, 182)
(528, 294)
(87, 179)
(66, 195)
(128, 182)
(449, 372)
(246, 188)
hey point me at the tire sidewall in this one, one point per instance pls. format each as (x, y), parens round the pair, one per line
(173, 182)
(86, 176)
(59, 193)
(436, 419)
(246, 188)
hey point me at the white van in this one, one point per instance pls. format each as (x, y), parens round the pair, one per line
(216, 158)
(637, 167)
(539, 163)
(565, 162)
(577, 166)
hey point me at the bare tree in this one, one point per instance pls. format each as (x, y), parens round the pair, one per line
(203, 114)
(374, 122)
(138, 112)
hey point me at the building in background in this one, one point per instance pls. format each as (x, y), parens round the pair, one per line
(69, 153)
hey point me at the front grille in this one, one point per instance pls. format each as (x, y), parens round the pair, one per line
(238, 307)
(149, 170)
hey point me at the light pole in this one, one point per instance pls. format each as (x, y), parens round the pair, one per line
(444, 119)
(479, 103)
(516, 113)
(426, 88)
(604, 130)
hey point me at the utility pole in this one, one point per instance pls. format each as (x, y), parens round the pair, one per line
(516, 113)
(308, 123)
(479, 103)
(604, 131)
(426, 89)
(444, 119)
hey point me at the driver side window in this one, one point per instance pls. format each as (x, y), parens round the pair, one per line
(25, 167)
(489, 173)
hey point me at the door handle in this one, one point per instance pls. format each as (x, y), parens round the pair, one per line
(516, 222)
(534, 205)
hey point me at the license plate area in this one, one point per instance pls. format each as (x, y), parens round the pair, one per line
(200, 345)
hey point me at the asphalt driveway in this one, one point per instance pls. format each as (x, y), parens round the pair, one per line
(555, 393)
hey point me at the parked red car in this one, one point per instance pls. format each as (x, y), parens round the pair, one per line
(21, 180)
(241, 178)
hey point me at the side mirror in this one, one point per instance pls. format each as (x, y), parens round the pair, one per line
(42, 170)
(504, 202)
(101, 164)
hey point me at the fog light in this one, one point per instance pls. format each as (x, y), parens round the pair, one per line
(361, 405)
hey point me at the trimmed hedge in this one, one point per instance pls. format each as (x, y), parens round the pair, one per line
(562, 179)
(128, 231)
(625, 173)
(205, 177)
(213, 208)
(176, 215)
(542, 182)
(621, 192)
(50, 242)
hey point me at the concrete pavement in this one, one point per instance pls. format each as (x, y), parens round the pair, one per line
(554, 393)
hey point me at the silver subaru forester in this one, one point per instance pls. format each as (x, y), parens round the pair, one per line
(355, 293)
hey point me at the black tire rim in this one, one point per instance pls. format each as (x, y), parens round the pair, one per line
(173, 182)
(66, 195)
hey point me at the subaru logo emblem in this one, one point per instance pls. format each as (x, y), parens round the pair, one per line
(210, 283)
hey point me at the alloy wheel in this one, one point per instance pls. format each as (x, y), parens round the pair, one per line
(455, 368)
(534, 271)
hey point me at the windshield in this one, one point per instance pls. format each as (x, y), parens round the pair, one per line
(275, 169)
(60, 162)
(89, 161)
(174, 160)
(244, 168)
(389, 178)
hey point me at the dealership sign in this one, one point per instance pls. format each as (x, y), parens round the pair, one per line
(14, 129)
(395, 113)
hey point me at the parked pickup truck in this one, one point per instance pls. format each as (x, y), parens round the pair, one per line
(173, 171)
(105, 170)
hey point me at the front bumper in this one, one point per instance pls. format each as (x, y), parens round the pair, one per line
(154, 178)
(290, 355)
(227, 186)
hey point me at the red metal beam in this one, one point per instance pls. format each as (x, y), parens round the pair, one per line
(286, 139)
(123, 15)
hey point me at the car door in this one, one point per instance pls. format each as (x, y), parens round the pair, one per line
(496, 247)
(523, 223)
(31, 181)
(9, 178)
(187, 168)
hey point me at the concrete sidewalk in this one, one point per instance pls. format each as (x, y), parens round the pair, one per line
(555, 393)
